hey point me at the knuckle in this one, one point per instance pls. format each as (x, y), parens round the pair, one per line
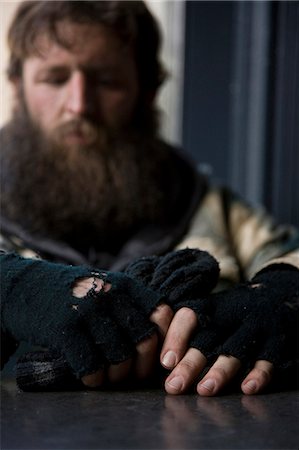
(188, 315)
(221, 373)
(225, 368)
(263, 375)
(162, 312)
(162, 317)
(189, 364)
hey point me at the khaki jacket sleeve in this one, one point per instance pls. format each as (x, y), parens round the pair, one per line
(14, 244)
(242, 238)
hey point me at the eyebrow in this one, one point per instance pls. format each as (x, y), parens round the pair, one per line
(93, 68)
(53, 69)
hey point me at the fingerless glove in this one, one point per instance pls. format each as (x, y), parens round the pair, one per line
(38, 307)
(181, 275)
(255, 320)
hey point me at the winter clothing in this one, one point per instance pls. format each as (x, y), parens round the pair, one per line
(244, 240)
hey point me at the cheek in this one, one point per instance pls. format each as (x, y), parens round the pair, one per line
(43, 106)
(117, 107)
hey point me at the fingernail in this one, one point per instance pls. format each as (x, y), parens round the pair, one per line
(169, 360)
(209, 385)
(176, 383)
(251, 385)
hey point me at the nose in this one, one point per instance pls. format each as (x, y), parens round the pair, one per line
(78, 101)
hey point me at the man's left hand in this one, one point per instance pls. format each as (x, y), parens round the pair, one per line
(188, 363)
(253, 325)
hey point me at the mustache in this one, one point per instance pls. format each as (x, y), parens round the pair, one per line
(80, 126)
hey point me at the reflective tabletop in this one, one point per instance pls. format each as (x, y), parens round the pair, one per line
(146, 419)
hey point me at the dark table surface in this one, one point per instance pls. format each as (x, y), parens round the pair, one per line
(147, 419)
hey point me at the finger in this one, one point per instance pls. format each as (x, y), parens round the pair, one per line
(182, 277)
(118, 372)
(274, 349)
(94, 380)
(176, 260)
(143, 268)
(191, 269)
(220, 374)
(146, 357)
(178, 336)
(83, 286)
(80, 352)
(111, 341)
(162, 317)
(258, 378)
(187, 282)
(243, 343)
(186, 372)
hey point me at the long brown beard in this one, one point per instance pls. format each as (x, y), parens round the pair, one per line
(98, 195)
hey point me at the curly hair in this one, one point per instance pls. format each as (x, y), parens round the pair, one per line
(131, 20)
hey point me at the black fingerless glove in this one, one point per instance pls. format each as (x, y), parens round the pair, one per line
(182, 277)
(255, 320)
(38, 307)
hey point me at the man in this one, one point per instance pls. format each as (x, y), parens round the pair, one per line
(87, 181)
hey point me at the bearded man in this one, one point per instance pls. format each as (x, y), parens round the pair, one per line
(86, 181)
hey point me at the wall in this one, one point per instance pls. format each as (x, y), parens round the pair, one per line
(6, 12)
(241, 98)
(171, 17)
(207, 84)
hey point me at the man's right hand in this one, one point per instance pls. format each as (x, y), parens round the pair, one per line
(177, 276)
(97, 324)
(119, 312)
(146, 356)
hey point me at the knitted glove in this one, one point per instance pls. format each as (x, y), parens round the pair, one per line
(182, 277)
(185, 274)
(255, 320)
(38, 307)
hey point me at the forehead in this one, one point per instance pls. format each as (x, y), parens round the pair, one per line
(96, 44)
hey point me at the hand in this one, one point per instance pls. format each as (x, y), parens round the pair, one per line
(143, 363)
(178, 275)
(189, 363)
(254, 324)
(47, 370)
(145, 357)
(104, 325)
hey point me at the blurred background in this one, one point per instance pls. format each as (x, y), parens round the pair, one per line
(232, 97)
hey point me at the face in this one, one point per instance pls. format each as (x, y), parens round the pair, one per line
(71, 92)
